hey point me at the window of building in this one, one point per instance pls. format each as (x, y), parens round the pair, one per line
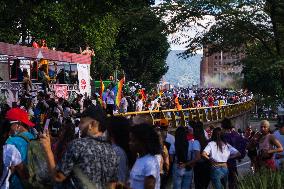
(215, 69)
(216, 57)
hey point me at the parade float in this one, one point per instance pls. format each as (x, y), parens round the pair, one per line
(74, 70)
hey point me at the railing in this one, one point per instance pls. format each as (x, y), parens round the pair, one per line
(205, 114)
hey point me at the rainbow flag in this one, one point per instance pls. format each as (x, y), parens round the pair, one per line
(102, 88)
(119, 91)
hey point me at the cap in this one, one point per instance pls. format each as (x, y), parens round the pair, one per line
(164, 123)
(17, 114)
(94, 112)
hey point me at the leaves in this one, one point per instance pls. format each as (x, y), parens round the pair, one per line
(125, 34)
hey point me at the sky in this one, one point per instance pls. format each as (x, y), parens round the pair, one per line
(191, 31)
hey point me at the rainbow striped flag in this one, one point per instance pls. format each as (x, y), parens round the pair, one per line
(119, 91)
(102, 88)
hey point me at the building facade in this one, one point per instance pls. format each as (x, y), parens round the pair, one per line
(222, 69)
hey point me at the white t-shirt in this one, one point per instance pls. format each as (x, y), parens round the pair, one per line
(145, 166)
(11, 157)
(214, 152)
(139, 105)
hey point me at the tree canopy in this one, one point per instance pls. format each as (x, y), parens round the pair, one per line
(115, 29)
(255, 27)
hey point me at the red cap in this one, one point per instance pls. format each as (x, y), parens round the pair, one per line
(17, 114)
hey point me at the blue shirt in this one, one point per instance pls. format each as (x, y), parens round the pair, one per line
(22, 146)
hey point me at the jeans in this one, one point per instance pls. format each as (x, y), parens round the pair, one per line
(182, 178)
(218, 174)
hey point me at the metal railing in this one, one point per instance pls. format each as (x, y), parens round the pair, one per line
(205, 114)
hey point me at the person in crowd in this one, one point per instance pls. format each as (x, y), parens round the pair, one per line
(268, 145)
(16, 148)
(16, 71)
(43, 77)
(279, 135)
(145, 143)
(183, 154)
(118, 132)
(139, 104)
(218, 151)
(61, 77)
(94, 167)
(27, 81)
(237, 141)
(123, 104)
(165, 161)
(202, 167)
(66, 135)
(110, 101)
(78, 103)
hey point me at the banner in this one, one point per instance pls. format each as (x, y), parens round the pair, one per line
(61, 91)
(84, 79)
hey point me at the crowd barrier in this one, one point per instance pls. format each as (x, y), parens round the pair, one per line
(204, 114)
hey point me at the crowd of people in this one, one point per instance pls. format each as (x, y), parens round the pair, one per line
(177, 98)
(53, 143)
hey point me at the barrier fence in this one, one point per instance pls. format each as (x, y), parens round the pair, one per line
(204, 114)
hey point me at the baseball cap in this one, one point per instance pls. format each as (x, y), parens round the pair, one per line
(94, 112)
(17, 114)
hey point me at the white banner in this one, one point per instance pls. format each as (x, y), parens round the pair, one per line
(84, 78)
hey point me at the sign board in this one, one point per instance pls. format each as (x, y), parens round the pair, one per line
(61, 91)
(84, 79)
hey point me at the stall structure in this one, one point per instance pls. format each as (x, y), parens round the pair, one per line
(73, 68)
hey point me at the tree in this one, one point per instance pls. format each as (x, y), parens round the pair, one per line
(252, 26)
(105, 26)
(143, 46)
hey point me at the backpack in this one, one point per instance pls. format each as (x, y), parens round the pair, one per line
(39, 177)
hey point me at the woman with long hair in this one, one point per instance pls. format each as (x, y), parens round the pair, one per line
(145, 142)
(218, 152)
(184, 154)
(66, 135)
(118, 133)
(202, 167)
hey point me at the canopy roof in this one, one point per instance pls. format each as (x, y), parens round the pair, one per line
(38, 53)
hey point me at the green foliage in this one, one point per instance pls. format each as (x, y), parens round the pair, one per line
(143, 47)
(262, 180)
(106, 26)
(254, 27)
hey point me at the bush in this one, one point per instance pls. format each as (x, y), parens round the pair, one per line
(262, 180)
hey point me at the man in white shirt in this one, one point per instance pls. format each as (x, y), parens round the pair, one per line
(123, 104)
